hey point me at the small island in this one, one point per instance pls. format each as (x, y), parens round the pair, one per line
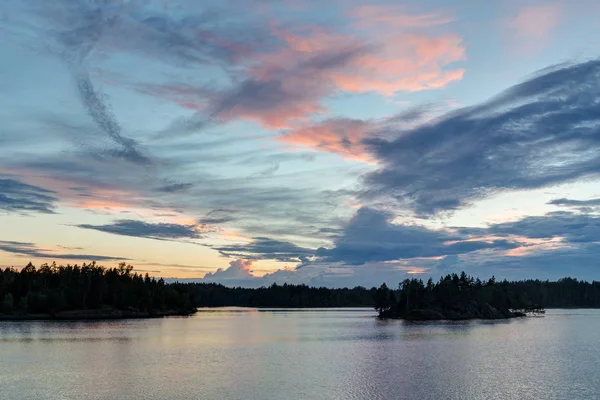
(89, 291)
(454, 297)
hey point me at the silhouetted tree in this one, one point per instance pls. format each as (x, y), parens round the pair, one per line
(52, 289)
(462, 297)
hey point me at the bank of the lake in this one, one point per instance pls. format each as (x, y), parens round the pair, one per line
(475, 311)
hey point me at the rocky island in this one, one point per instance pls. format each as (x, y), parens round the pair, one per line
(454, 297)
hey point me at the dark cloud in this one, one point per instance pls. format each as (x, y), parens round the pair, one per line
(574, 228)
(283, 93)
(175, 187)
(215, 220)
(218, 216)
(263, 248)
(413, 114)
(160, 231)
(16, 196)
(31, 250)
(106, 121)
(372, 236)
(575, 203)
(541, 132)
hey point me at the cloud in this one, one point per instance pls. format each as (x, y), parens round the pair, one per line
(572, 227)
(73, 31)
(338, 135)
(288, 82)
(19, 197)
(542, 132)
(371, 235)
(575, 203)
(107, 123)
(135, 27)
(218, 216)
(266, 248)
(175, 187)
(372, 249)
(533, 24)
(579, 261)
(238, 270)
(420, 64)
(520, 248)
(159, 231)
(396, 17)
(346, 136)
(31, 250)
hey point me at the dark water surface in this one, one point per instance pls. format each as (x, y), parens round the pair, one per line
(310, 354)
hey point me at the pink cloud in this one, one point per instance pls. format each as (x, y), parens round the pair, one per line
(405, 63)
(345, 136)
(534, 24)
(341, 136)
(402, 62)
(238, 269)
(395, 16)
(284, 87)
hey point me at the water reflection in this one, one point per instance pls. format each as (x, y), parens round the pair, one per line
(312, 354)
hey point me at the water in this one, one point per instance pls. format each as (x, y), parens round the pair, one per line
(314, 354)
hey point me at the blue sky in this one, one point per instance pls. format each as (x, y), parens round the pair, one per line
(330, 143)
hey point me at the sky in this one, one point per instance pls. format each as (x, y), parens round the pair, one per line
(333, 143)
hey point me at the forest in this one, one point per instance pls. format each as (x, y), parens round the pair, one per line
(92, 291)
(294, 296)
(461, 296)
(87, 291)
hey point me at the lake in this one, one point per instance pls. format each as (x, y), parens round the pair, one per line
(236, 353)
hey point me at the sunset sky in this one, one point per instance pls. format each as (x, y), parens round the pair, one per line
(334, 143)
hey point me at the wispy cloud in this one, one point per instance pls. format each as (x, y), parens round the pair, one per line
(76, 28)
(287, 80)
(19, 197)
(160, 231)
(538, 133)
(347, 136)
(575, 203)
(32, 250)
(532, 26)
(395, 16)
(285, 87)
(268, 249)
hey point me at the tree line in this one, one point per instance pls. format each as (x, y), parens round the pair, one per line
(51, 289)
(461, 297)
(294, 296)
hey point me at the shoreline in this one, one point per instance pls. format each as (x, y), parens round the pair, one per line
(483, 312)
(451, 319)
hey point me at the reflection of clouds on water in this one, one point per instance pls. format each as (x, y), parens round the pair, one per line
(314, 354)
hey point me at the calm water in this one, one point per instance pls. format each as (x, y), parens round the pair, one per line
(332, 354)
